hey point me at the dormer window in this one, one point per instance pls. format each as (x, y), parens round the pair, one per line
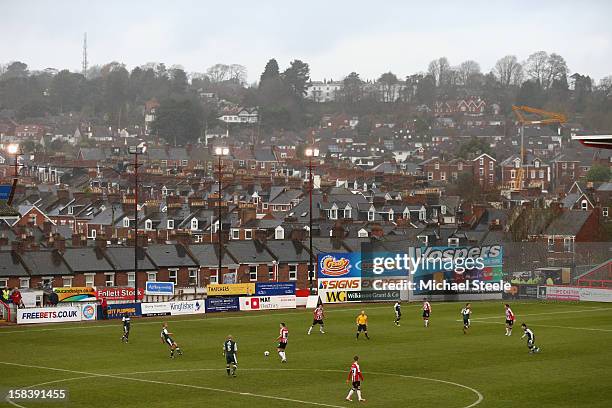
(126, 222)
(453, 242)
(170, 224)
(391, 214)
(536, 163)
(194, 224)
(148, 225)
(482, 161)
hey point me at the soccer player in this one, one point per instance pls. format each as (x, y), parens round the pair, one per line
(398, 312)
(426, 312)
(126, 327)
(509, 320)
(466, 312)
(355, 377)
(362, 324)
(282, 342)
(166, 338)
(230, 348)
(318, 316)
(530, 339)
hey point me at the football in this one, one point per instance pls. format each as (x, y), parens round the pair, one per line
(266, 353)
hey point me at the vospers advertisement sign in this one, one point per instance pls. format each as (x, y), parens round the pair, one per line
(575, 293)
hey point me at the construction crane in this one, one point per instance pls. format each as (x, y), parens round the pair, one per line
(547, 118)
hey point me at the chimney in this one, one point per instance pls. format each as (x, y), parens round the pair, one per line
(63, 194)
(18, 247)
(338, 231)
(76, 240)
(247, 214)
(261, 235)
(298, 234)
(4, 241)
(59, 243)
(100, 242)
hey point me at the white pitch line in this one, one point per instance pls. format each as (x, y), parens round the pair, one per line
(599, 309)
(556, 327)
(122, 377)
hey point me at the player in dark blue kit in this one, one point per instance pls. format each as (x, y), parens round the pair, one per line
(398, 312)
(230, 348)
(126, 327)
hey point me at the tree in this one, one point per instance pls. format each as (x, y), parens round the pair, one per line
(178, 121)
(387, 82)
(508, 71)
(237, 73)
(271, 72)
(535, 66)
(66, 90)
(352, 88)
(16, 69)
(556, 69)
(178, 80)
(473, 148)
(296, 78)
(426, 91)
(466, 70)
(599, 173)
(218, 73)
(438, 70)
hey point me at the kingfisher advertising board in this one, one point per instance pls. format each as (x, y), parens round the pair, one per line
(274, 288)
(335, 265)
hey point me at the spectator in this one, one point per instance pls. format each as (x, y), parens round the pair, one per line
(17, 299)
(104, 306)
(6, 295)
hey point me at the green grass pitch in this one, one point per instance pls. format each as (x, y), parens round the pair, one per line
(406, 366)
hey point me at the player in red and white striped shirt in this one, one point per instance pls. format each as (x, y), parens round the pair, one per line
(283, 338)
(318, 316)
(355, 377)
(426, 312)
(509, 320)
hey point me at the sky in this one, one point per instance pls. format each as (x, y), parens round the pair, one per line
(333, 37)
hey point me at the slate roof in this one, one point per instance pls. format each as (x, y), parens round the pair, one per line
(122, 258)
(45, 263)
(246, 252)
(208, 255)
(10, 265)
(87, 260)
(170, 256)
(568, 223)
(286, 251)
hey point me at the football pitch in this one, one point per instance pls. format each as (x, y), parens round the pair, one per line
(406, 366)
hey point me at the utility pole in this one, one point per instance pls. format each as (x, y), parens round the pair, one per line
(84, 65)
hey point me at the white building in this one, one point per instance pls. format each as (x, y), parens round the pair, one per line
(240, 115)
(323, 91)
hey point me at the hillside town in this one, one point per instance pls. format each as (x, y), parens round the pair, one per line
(400, 170)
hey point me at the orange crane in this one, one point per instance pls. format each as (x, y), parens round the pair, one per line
(547, 118)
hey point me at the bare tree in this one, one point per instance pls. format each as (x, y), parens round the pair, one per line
(556, 69)
(434, 71)
(439, 70)
(606, 84)
(237, 73)
(536, 67)
(218, 73)
(466, 70)
(508, 71)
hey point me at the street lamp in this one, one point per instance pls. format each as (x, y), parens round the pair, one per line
(310, 152)
(14, 150)
(136, 150)
(220, 152)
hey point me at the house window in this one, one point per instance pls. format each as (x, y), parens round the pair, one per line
(109, 279)
(151, 276)
(482, 171)
(604, 211)
(512, 174)
(235, 234)
(430, 175)
(92, 233)
(437, 166)
(293, 272)
(454, 175)
(333, 214)
(533, 174)
(391, 215)
(564, 165)
(536, 163)
(481, 162)
(568, 244)
(584, 205)
(279, 233)
(89, 279)
(214, 276)
(443, 175)
(172, 276)
(148, 225)
(253, 273)
(194, 224)
(370, 215)
(3, 283)
(33, 219)
(24, 283)
(542, 174)
(248, 234)
(453, 242)
(551, 244)
(490, 178)
(193, 277)
(67, 281)
(460, 166)
(126, 222)
(170, 224)
(347, 213)
(131, 281)
(491, 164)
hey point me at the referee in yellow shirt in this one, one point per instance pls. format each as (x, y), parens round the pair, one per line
(362, 324)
